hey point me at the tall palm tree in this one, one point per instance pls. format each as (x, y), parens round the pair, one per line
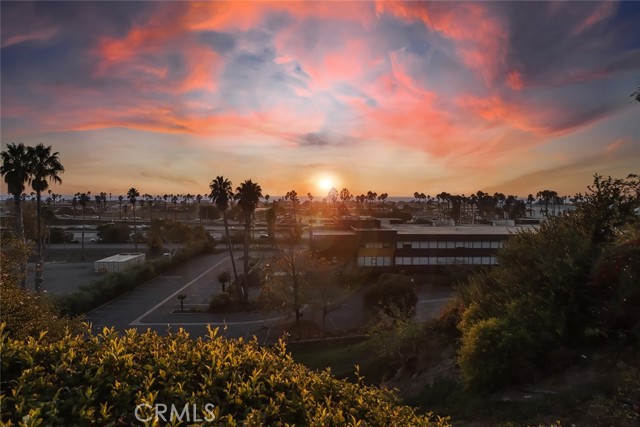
(132, 194)
(15, 169)
(248, 195)
(83, 199)
(199, 200)
(45, 168)
(120, 199)
(220, 194)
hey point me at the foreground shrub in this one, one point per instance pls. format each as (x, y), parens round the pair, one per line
(99, 379)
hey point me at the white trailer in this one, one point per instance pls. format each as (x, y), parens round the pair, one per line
(118, 262)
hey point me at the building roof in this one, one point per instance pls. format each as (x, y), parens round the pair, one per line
(120, 257)
(404, 229)
(328, 232)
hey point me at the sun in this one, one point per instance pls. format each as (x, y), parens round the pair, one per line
(325, 183)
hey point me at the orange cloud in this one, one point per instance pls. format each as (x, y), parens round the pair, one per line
(514, 80)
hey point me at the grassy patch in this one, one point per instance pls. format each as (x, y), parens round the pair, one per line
(342, 358)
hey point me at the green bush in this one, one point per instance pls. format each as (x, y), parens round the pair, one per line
(393, 294)
(495, 353)
(99, 379)
(220, 301)
(114, 233)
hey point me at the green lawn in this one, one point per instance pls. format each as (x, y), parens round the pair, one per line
(342, 358)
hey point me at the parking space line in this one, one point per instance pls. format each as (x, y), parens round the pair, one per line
(155, 307)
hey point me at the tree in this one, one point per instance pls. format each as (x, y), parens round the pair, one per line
(248, 195)
(530, 200)
(83, 199)
(291, 281)
(221, 194)
(182, 297)
(120, 199)
(570, 283)
(98, 203)
(636, 95)
(345, 195)
(45, 167)
(133, 194)
(174, 201)
(271, 216)
(15, 169)
(547, 197)
(295, 229)
(199, 200)
(223, 278)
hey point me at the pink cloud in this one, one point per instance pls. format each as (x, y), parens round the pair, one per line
(602, 12)
(35, 35)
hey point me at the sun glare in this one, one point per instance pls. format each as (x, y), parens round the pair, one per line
(325, 183)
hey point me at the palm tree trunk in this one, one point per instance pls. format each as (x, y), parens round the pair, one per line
(245, 283)
(40, 260)
(135, 229)
(19, 225)
(233, 261)
(82, 236)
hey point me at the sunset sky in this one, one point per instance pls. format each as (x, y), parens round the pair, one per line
(392, 97)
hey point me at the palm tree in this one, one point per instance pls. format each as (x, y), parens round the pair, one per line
(15, 169)
(45, 168)
(132, 194)
(248, 195)
(220, 194)
(120, 199)
(199, 200)
(530, 200)
(83, 199)
(174, 200)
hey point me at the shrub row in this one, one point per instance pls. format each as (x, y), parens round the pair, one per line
(88, 379)
(112, 285)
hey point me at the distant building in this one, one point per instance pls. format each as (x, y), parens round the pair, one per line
(410, 247)
(119, 262)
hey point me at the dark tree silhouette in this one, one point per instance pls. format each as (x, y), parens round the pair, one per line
(248, 195)
(45, 167)
(221, 194)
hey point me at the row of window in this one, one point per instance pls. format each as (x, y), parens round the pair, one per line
(434, 260)
(376, 245)
(451, 245)
(372, 261)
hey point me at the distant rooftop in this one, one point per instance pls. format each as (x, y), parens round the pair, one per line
(460, 229)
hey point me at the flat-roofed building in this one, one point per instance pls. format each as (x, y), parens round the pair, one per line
(119, 262)
(414, 247)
